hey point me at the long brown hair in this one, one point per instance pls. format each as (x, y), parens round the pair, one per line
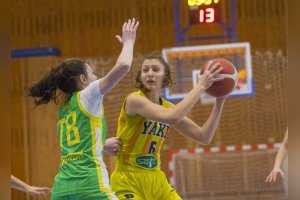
(167, 81)
(62, 77)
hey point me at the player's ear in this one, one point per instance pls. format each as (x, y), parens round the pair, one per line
(82, 79)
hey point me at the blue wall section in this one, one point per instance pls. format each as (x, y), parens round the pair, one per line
(33, 52)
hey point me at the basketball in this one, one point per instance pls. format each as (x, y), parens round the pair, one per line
(225, 86)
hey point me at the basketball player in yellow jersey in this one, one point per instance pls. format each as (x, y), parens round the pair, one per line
(143, 126)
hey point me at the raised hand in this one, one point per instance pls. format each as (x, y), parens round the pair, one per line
(128, 31)
(274, 174)
(210, 75)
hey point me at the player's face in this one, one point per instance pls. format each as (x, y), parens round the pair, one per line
(152, 74)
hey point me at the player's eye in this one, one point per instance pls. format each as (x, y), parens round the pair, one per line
(155, 69)
(145, 69)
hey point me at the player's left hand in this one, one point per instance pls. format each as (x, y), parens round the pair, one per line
(128, 31)
(112, 146)
(272, 177)
(38, 190)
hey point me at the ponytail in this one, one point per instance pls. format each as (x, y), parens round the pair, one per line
(45, 90)
(62, 77)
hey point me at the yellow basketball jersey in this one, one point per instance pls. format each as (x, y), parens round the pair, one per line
(141, 139)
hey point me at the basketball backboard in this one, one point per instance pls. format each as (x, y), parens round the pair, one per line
(187, 61)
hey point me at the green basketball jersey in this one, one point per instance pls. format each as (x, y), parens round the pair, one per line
(81, 138)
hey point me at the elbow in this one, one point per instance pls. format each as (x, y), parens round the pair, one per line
(205, 139)
(174, 119)
(205, 142)
(173, 122)
(124, 67)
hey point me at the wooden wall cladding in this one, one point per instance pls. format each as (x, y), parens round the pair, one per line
(88, 28)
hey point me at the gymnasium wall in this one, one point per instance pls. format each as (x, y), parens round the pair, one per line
(88, 28)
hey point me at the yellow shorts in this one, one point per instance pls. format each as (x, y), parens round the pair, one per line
(142, 185)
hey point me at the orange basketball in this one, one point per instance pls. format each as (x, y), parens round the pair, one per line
(225, 86)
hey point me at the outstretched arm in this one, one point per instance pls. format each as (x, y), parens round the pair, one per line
(203, 134)
(282, 153)
(20, 185)
(124, 61)
(138, 105)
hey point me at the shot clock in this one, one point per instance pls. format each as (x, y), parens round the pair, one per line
(203, 11)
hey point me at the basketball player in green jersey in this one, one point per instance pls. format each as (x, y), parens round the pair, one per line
(143, 125)
(82, 173)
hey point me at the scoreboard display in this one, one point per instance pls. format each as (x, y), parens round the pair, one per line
(203, 11)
